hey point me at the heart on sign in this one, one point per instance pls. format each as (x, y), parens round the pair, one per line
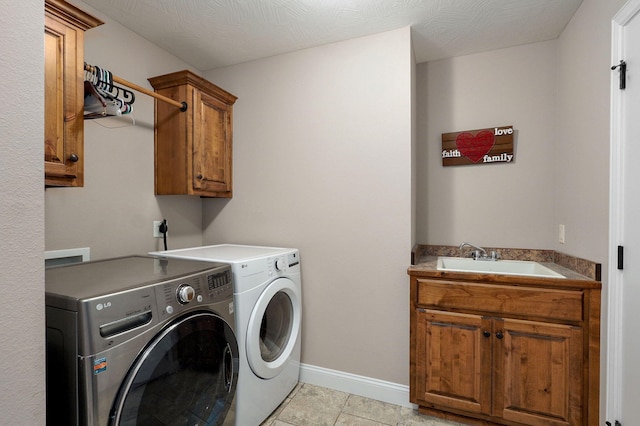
(474, 147)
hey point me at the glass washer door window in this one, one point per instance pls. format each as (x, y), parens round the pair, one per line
(274, 328)
(187, 375)
(276, 325)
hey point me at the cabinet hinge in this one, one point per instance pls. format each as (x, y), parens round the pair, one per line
(616, 424)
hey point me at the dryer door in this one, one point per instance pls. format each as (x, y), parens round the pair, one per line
(186, 375)
(274, 327)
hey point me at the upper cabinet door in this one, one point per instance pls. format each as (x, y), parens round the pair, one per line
(193, 149)
(64, 93)
(212, 144)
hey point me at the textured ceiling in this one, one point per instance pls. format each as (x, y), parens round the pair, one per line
(213, 33)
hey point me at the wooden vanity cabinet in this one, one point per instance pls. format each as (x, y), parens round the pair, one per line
(64, 28)
(505, 353)
(193, 149)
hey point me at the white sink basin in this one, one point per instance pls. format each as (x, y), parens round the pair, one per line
(501, 267)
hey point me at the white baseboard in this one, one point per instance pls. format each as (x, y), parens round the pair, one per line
(367, 387)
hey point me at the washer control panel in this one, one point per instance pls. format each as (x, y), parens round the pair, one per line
(108, 318)
(188, 292)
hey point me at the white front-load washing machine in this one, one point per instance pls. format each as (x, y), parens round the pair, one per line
(267, 298)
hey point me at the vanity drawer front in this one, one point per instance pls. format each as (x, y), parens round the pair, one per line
(501, 300)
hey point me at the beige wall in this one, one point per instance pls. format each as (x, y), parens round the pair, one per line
(503, 204)
(556, 94)
(322, 157)
(113, 214)
(21, 216)
(582, 197)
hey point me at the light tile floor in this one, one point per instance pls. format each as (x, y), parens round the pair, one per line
(317, 406)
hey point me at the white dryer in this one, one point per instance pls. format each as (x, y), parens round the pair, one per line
(267, 298)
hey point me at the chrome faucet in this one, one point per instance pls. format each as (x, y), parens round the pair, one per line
(479, 253)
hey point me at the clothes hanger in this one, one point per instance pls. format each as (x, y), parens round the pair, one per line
(94, 104)
(103, 98)
(97, 74)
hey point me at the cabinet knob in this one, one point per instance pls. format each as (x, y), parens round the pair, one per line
(499, 335)
(200, 177)
(486, 333)
(74, 158)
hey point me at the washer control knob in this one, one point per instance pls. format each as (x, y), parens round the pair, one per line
(169, 309)
(280, 264)
(186, 293)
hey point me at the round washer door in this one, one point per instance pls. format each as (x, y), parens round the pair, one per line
(273, 328)
(186, 375)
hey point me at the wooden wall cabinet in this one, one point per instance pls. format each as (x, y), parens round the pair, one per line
(64, 92)
(487, 353)
(193, 149)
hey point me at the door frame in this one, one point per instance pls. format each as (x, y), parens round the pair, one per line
(613, 407)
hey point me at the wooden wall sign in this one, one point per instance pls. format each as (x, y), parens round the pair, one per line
(482, 146)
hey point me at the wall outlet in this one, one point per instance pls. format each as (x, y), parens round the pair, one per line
(156, 229)
(561, 234)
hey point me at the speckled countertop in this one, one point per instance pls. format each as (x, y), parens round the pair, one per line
(424, 257)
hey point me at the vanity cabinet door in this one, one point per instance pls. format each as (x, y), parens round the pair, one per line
(453, 360)
(538, 372)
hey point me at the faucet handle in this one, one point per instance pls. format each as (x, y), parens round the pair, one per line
(495, 255)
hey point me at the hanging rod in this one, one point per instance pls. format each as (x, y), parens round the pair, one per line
(181, 105)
